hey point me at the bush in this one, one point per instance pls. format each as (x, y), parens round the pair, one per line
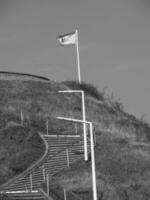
(87, 88)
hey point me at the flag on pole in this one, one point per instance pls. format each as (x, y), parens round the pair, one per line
(67, 39)
(71, 39)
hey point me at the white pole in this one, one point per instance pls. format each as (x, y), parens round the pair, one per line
(93, 163)
(84, 124)
(78, 59)
(92, 153)
(72, 120)
(47, 179)
(84, 127)
(67, 154)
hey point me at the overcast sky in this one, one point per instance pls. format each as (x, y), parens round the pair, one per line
(114, 44)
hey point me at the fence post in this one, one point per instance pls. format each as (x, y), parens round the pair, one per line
(47, 179)
(31, 182)
(26, 188)
(76, 128)
(43, 172)
(65, 196)
(67, 155)
(47, 126)
(94, 134)
(21, 117)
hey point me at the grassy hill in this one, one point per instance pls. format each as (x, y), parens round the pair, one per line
(123, 141)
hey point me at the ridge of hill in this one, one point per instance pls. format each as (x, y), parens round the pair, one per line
(24, 76)
(123, 141)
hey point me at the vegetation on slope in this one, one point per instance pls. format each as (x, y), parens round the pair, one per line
(122, 151)
(19, 147)
(122, 169)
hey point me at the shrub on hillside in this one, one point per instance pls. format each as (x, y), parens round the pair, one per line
(118, 106)
(36, 122)
(87, 88)
(6, 117)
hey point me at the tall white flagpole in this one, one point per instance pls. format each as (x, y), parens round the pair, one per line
(78, 58)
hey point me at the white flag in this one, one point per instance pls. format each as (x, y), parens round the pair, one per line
(67, 39)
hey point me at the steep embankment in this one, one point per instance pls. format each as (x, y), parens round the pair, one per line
(20, 145)
(122, 151)
(19, 148)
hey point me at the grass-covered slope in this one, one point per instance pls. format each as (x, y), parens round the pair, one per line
(122, 170)
(123, 141)
(19, 148)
